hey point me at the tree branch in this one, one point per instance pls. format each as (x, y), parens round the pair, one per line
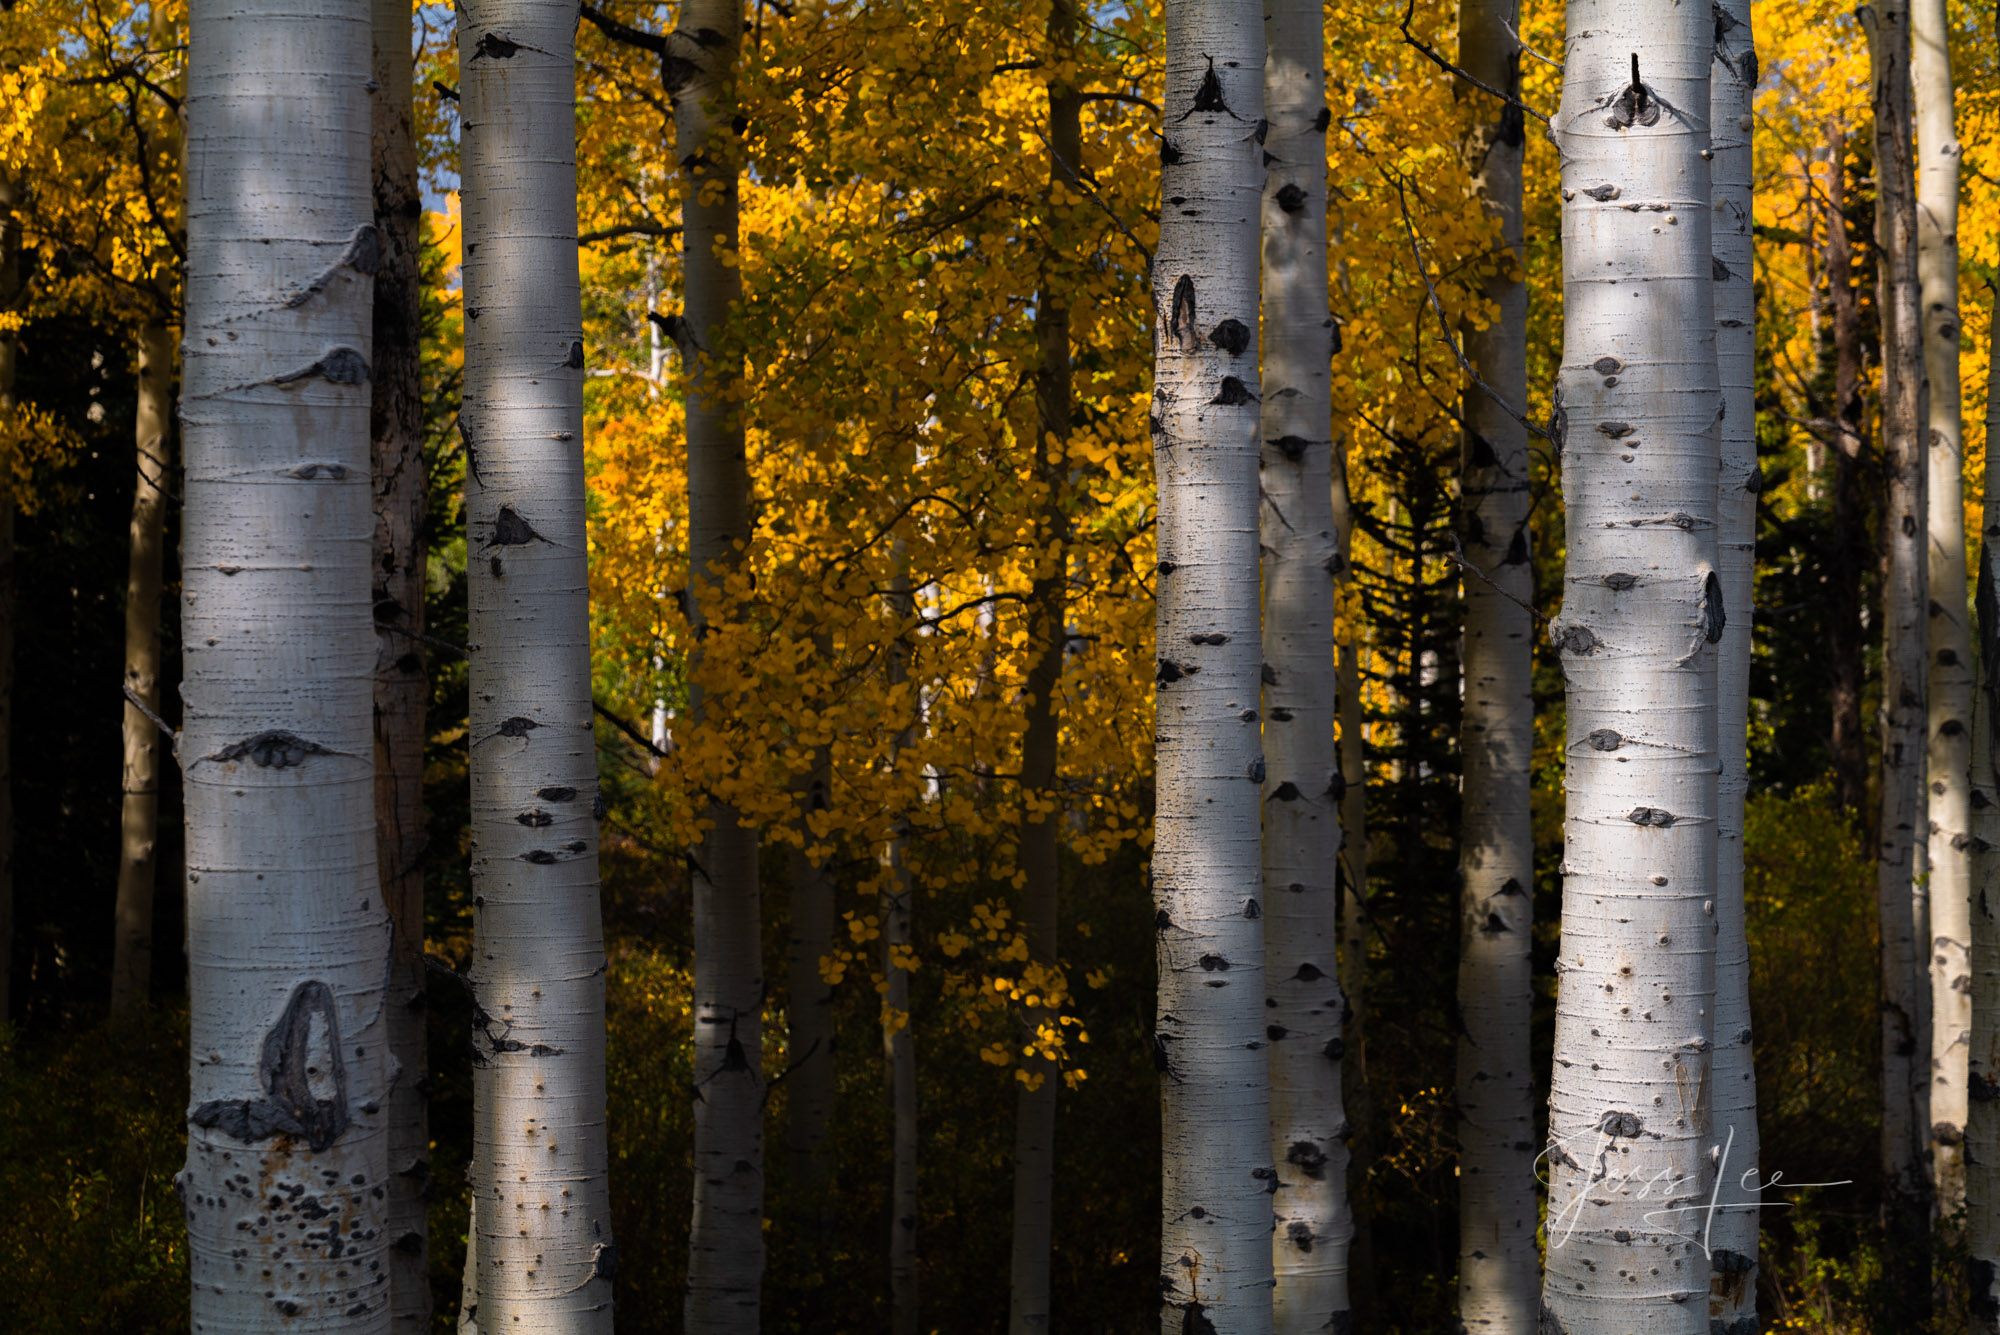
(1449, 68)
(627, 229)
(625, 727)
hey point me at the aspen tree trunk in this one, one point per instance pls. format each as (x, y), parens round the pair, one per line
(1849, 552)
(1041, 814)
(1353, 865)
(726, 1239)
(1302, 790)
(139, 789)
(1498, 1279)
(1643, 610)
(539, 1167)
(1206, 870)
(1982, 1129)
(132, 949)
(10, 294)
(1904, 599)
(402, 684)
(1950, 686)
(899, 1051)
(1731, 1230)
(287, 934)
(809, 1102)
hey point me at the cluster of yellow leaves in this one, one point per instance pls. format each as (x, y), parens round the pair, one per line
(898, 234)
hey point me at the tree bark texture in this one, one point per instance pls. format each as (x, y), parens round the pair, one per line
(1041, 800)
(1949, 697)
(287, 934)
(726, 1239)
(1302, 787)
(1982, 1127)
(402, 685)
(1731, 1229)
(139, 788)
(1643, 610)
(1207, 853)
(1498, 1266)
(1905, 597)
(1849, 554)
(10, 298)
(539, 1169)
(1353, 873)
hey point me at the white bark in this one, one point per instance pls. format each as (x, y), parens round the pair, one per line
(1216, 1210)
(1643, 609)
(1950, 693)
(1904, 599)
(287, 934)
(402, 686)
(1982, 1127)
(539, 1172)
(1498, 1265)
(139, 806)
(1732, 1228)
(1302, 791)
(726, 1237)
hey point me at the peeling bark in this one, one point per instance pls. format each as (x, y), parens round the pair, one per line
(540, 1170)
(1631, 1099)
(1207, 854)
(284, 1187)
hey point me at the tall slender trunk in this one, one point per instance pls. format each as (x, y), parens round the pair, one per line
(1041, 802)
(132, 951)
(402, 685)
(139, 788)
(1949, 748)
(1732, 1230)
(10, 296)
(1207, 851)
(1982, 1128)
(539, 1165)
(1640, 402)
(1498, 1287)
(1848, 553)
(1301, 790)
(1353, 875)
(1904, 601)
(810, 1020)
(287, 933)
(726, 1240)
(899, 1049)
